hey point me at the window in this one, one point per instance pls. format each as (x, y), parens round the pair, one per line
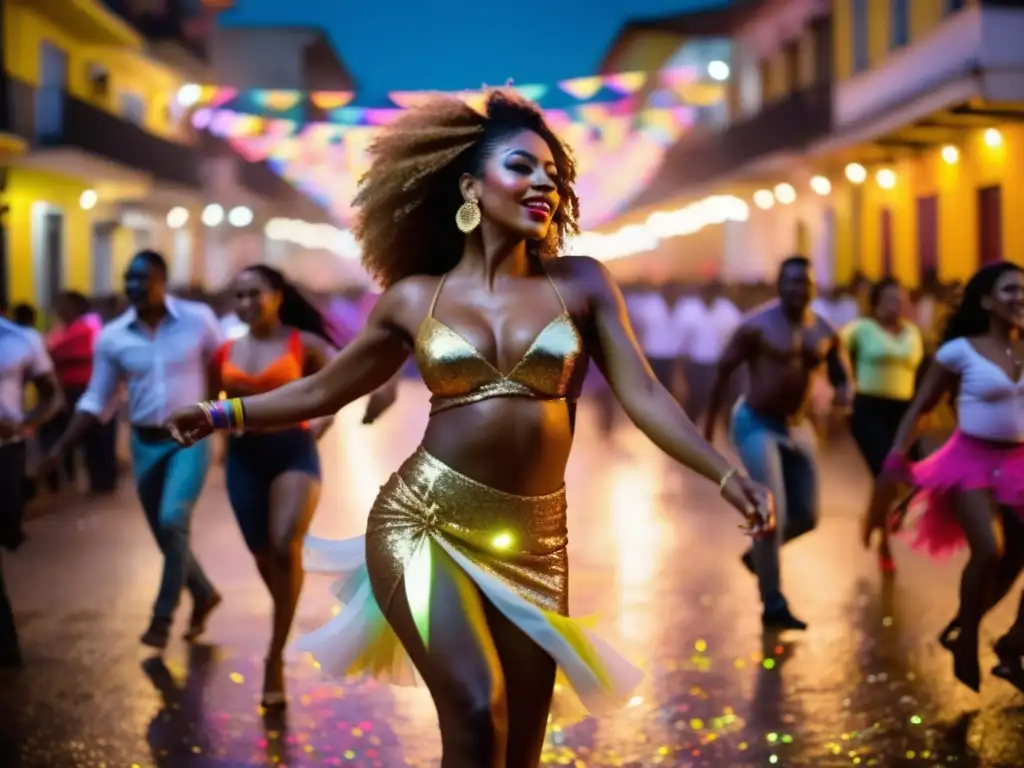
(133, 108)
(990, 225)
(899, 23)
(927, 235)
(50, 93)
(859, 13)
(885, 233)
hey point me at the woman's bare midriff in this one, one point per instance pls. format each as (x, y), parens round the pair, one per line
(514, 444)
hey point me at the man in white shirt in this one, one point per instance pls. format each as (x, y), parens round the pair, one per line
(840, 308)
(159, 349)
(23, 359)
(705, 324)
(651, 312)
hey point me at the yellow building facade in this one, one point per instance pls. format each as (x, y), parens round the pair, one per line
(874, 136)
(925, 164)
(77, 52)
(946, 201)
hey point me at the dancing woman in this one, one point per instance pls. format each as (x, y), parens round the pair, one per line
(464, 561)
(273, 475)
(886, 352)
(980, 468)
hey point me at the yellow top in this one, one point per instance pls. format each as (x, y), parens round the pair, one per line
(457, 374)
(885, 364)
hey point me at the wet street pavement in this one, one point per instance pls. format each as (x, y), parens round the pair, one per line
(655, 557)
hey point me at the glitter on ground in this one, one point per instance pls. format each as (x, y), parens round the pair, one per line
(663, 576)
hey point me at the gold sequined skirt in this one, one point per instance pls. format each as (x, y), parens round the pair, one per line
(520, 540)
(513, 550)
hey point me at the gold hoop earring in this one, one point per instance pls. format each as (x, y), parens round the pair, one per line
(468, 217)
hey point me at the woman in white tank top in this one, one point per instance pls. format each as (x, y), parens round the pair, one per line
(974, 485)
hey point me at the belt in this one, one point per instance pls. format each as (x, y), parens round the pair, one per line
(152, 434)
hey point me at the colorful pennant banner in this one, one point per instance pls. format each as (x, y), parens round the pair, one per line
(619, 125)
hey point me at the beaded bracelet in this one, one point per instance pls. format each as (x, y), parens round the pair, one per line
(225, 415)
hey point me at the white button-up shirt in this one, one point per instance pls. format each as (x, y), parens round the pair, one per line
(23, 357)
(164, 368)
(651, 315)
(706, 330)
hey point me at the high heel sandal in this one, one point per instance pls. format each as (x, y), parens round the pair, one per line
(274, 698)
(1011, 666)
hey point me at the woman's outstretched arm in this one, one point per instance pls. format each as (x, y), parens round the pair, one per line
(652, 407)
(647, 403)
(367, 363)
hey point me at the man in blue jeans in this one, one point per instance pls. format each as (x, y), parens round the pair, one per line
(784, 343)
(159, 349)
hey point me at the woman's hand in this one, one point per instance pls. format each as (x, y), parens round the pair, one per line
(379, 402)
(189, 425)
(752, 500)
(895, 470)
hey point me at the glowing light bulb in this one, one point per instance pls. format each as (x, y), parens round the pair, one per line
(502, 541)
(240, 216)
(950, 154)
(764, 199)
(821, 185)
(785, 193)
(993, 137)
(189, 95)
(87, 200)
(177, 217)
(856, 173)
(886, 178)
(213, 215)
(718, 70)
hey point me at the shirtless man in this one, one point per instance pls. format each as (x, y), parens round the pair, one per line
(784, 343)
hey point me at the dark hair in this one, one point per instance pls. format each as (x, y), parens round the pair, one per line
(408, 198)
(78, 301)
(296, 311)
(879, 288)
(969, 317)
(24, 314)
(154, 260)
(794, 261)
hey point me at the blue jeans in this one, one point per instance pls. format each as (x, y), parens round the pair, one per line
(782, 457)
(168, 479)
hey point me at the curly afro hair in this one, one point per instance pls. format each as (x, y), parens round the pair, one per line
(408, 198)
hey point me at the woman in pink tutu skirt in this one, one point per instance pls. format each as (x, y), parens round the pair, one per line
(972, 489)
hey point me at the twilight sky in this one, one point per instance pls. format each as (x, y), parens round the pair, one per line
(424, 44)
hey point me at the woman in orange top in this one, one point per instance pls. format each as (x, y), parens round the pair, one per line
(273, 476)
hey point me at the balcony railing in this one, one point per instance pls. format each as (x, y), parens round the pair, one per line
(787, 125)
(182, 22)
(49, 119)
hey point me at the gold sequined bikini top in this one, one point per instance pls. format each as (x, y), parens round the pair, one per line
(457, 374)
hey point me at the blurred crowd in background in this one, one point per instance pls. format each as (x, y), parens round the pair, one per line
(682, 328)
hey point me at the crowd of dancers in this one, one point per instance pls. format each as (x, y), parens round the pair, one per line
(462, 577)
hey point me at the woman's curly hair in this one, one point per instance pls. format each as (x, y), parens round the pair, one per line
(408, 198)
